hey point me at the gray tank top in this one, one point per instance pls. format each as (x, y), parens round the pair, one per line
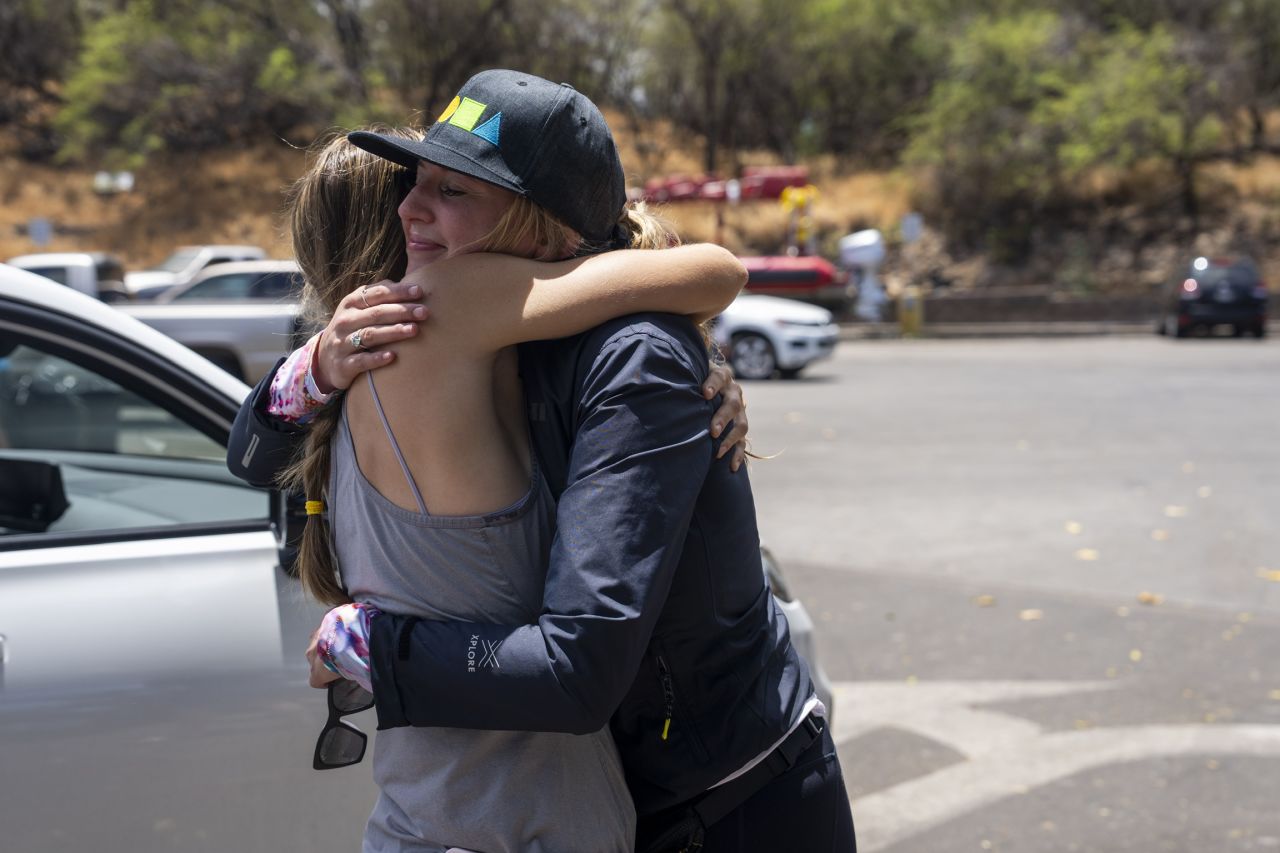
(488, 791)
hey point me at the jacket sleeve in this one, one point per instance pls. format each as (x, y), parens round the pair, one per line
(640, 453)
(260, 446)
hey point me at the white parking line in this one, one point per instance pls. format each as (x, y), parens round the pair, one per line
(942, 710)
(1008, 755)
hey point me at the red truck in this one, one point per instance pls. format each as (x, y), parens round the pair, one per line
(811, 278)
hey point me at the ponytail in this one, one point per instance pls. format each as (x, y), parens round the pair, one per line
(644, 229)
(309, 474)
(345, 235)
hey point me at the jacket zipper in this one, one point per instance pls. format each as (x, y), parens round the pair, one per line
(668, 695)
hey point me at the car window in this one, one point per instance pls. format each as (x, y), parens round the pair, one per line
(115, 459)
(229, 286)
(1237, 276)
(58, 274)
(178, 261)
(276, 286)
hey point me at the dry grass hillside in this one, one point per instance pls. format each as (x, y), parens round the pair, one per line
(232, 196)
(236, 196)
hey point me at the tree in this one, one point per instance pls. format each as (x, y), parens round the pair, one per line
(711, 27)
(873, 65)
(427, 48)
(994, 166)
(731, 71)
(1252, 41)
(349, 29)
(1143, 97)
(40, 39)
(183, 76)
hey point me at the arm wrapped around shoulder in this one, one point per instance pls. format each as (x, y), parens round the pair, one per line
(640, 453)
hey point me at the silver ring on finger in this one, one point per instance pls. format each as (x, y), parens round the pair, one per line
(363, 297)
(357, 340)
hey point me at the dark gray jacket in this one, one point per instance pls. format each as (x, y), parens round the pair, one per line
(656, 616)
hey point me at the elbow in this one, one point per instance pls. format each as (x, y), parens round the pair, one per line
(590, 705)
(251, 480)
(724, 286)
(238, 454)
(234, 454)
(733, 279)
(740, 275)
(588, 720)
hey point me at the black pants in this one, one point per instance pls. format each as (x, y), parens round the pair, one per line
(805, 810)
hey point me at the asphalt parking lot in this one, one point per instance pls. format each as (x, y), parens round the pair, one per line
(1046, 577)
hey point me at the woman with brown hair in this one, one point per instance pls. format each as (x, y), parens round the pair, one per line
(430, 491)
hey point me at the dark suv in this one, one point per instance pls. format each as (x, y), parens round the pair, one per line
(1216, 292)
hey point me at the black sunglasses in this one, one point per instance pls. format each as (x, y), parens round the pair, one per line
(341, 744)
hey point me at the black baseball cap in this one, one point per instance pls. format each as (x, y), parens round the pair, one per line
(542, 140)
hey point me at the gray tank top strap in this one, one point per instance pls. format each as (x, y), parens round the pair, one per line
(395, 446)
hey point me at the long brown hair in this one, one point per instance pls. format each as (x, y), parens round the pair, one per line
(342, 214)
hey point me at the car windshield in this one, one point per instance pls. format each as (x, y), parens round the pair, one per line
(178, 261)
(1234, 276)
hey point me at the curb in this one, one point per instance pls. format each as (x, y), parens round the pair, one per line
(890, 331)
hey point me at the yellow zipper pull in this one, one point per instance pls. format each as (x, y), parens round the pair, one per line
(668, 695)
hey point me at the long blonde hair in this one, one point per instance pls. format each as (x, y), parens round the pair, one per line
(342, 214)
(526, 224)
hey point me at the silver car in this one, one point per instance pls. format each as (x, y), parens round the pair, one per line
(153, 692)
(263, 281)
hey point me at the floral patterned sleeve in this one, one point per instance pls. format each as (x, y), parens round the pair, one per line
(294, 394)
(343, 642)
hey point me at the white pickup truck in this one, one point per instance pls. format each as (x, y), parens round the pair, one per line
(95, 274)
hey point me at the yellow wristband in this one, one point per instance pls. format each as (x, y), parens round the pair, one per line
(315, 508)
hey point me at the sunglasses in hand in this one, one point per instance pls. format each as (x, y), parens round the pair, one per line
(341, 744)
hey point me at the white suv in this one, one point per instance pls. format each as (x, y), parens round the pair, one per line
(764, 335)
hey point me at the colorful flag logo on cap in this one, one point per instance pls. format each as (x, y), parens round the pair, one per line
(463, 113)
